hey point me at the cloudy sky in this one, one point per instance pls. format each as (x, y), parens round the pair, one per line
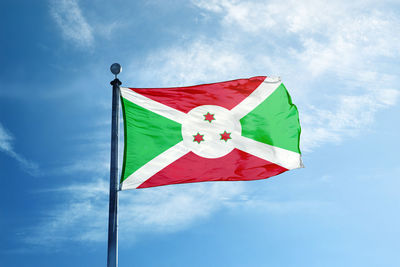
(340, 61)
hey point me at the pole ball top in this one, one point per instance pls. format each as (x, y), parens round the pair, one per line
(116, 68)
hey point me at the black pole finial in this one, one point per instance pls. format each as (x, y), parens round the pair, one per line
(116, 69)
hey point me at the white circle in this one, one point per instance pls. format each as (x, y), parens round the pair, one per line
(212, 146)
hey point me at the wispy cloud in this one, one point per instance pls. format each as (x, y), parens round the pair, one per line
(83, 216)
(6, 146)
(353, 113)
(74, 26)
(168, 209)
(198, 62)
(5, 139)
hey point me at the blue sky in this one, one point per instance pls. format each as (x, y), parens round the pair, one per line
(338, 59)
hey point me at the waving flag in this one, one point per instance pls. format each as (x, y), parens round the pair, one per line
(244, 129)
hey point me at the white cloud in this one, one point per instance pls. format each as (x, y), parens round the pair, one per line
(200, 61)
(352, 45)
(93, 165)
(352, 114)
(172, 208)
(85, 215)
(82, 217)
(6, 141)
(68, 16)
(275, 16)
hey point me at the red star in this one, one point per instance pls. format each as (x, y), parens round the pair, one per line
(225, 136)
(198, 138)
(209, 117)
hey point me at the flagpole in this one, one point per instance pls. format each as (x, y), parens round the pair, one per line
(112, 256)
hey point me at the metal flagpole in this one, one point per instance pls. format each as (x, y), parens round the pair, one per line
(112, 256)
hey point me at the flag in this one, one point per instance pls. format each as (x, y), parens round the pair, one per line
(245, 129)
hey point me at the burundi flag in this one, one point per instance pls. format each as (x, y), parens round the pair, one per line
(244, 129)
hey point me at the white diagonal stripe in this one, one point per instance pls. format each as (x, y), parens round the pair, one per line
(154, 106)
(262, 92)
(285, 158)
(155, 165)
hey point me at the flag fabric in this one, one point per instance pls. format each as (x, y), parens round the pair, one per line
(244, 129)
